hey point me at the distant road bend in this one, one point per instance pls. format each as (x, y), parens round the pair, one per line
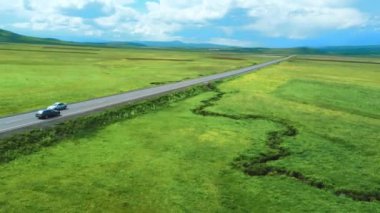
(28, 120)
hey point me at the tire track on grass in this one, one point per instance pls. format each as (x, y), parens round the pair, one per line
(258, 165)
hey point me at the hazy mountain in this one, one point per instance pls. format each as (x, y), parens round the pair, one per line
(179, 44)
(374, 50)
(7, 36)
(10, 37)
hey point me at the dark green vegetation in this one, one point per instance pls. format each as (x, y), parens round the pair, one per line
(34, 76)
(258, 143)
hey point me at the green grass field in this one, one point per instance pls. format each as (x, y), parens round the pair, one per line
(35, 76)
(296, 137)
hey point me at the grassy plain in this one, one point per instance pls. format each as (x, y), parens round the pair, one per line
(335, 108)
(34, 76)
(185, 160)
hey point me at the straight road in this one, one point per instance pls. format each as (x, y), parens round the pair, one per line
(28, 120)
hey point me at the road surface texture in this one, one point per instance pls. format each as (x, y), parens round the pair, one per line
(26, 121)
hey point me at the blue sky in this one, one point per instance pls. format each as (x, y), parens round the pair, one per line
(252, 23)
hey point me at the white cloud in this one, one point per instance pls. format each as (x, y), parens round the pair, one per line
(121, 15)
(301, 18)
(163, 19)
(15, 5)
(42, 15)
(231, 42)
(53, 22)
(374, 23)
(186, 11)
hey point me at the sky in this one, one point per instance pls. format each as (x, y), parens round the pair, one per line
(247, 23)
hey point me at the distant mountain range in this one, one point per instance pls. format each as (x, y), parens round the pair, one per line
(10, 37)
(179, 44)
(159, 44)
(7, 36)
(373, 50)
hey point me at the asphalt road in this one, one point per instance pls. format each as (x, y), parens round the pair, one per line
(24, 121)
